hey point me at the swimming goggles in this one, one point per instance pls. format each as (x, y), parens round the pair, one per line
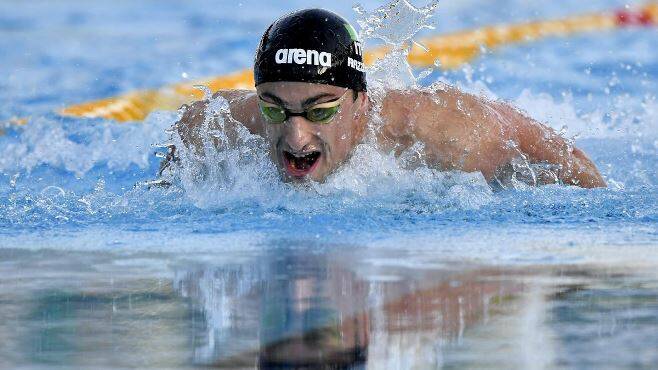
(319, 113)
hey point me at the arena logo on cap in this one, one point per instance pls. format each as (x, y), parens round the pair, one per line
(301, 56)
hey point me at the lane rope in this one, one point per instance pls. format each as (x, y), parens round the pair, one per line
(451, 50)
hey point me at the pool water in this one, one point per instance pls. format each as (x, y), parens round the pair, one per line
(380, 267)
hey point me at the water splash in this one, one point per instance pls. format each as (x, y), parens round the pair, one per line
(230, 164)
(395, 23)
(56, 171)
(227, 171)
(79, 146)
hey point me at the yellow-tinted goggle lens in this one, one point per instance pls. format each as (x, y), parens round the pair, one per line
(273, 113)
(321, 115)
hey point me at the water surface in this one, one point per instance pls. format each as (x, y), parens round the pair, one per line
(381, 267)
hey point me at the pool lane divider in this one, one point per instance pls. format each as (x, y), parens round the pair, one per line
(451, 50)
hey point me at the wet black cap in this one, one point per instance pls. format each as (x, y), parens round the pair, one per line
(311, 45)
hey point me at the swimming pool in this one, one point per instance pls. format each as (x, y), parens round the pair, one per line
(98, 270)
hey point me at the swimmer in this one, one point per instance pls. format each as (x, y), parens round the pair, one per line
(312, 106)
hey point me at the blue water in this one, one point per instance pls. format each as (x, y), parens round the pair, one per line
(76, 185)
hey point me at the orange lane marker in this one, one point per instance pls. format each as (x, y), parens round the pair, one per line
(13, 121)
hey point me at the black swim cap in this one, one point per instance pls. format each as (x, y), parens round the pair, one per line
(311, 45)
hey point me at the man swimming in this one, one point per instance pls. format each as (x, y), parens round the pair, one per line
(312, 106)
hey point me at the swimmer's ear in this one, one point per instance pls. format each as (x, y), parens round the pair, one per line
(361, 102)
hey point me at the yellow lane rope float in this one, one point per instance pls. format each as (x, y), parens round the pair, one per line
(451, 50)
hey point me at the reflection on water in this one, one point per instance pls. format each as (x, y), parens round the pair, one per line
(338, 308)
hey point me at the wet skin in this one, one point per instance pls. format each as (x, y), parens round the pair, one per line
(459, 131)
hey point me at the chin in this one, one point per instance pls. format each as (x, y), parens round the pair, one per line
(316, 176)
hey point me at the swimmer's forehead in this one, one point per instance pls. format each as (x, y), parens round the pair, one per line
(298, 93)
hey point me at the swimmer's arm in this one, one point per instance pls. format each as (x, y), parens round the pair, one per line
(243, 107)
(542, 144)
(456, 129)
(244, 111)
(464, 132)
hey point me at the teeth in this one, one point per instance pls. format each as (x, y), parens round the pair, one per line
(302, 161)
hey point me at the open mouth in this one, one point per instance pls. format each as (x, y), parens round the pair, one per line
(300, 164)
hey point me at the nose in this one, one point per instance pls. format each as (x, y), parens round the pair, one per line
(298, 134)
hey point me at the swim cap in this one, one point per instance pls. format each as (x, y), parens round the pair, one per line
(311, 45)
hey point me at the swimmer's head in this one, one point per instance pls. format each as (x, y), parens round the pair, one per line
(311, 45)
(311, 85)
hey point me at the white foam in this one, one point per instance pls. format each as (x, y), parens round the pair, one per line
(47, 141)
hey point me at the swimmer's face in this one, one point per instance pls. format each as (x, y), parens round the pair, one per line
(305, 150)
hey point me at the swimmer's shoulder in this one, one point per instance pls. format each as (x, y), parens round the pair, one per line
(396, 109)
(243, 106)
(235, 96)
(403, 110)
